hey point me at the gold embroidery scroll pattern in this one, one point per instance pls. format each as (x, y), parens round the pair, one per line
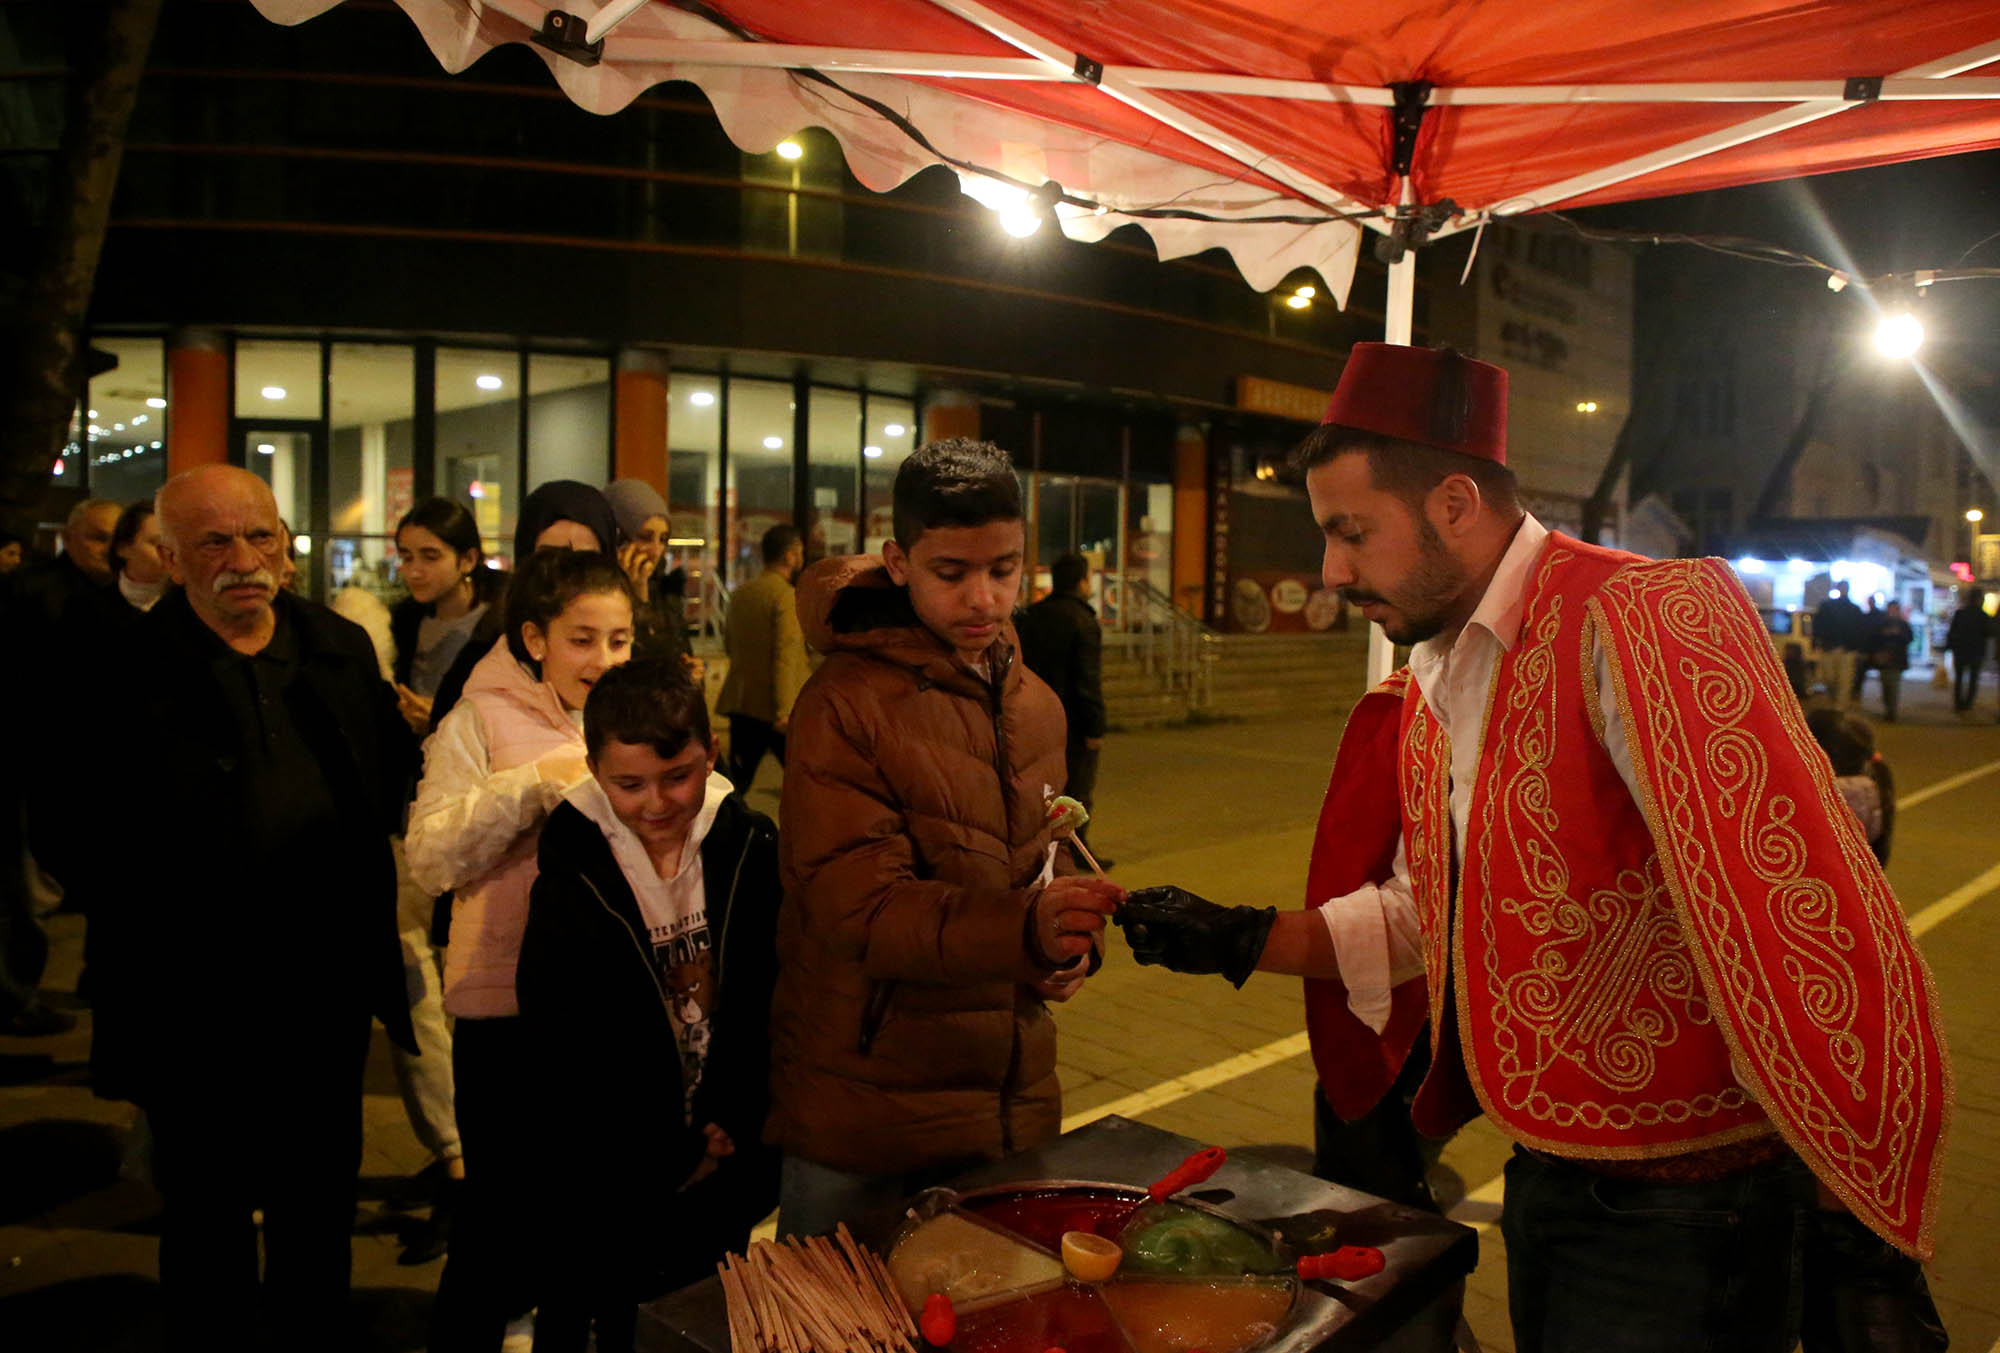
(1803, 908)
(1602, 985)
(1684, 598)
(1427, 808)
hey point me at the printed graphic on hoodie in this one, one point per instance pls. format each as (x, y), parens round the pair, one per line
(682, 958)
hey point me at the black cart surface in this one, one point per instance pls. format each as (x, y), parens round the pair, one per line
(1412, 1304)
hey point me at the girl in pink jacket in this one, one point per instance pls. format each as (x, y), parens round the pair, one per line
(494, 770)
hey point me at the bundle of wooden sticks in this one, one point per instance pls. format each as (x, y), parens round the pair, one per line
(817, 1295)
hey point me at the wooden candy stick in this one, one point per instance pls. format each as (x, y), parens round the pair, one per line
(872, 1266)
(733, 1307)
(782, 1339)
(841, 1285)
(885, 1320)
(806, 1306)
(888, 1308)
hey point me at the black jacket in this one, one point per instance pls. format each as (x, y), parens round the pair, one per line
(606, 1068)
(1063, 644)
(1970, 628)
(178, 946)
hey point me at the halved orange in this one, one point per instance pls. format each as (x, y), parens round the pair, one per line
(1090, 1258)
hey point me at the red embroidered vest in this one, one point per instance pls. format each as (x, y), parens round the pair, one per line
(1590, 1031)
(1721, 959)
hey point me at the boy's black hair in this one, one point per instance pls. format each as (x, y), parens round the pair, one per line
(549, 582)
(1067, 573)
(954, 482)
(652, 701)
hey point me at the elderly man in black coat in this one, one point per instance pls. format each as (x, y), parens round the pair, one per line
(245, 929)
(1063, 644)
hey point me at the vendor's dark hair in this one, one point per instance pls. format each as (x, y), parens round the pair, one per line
(454, 525)
(652, 701)
(1410, 470)
(954, 482)
(546, 585)
(130, 523)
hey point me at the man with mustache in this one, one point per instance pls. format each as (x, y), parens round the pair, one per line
(247, 930)
(1588, 836)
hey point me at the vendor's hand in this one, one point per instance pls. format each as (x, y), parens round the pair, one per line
(719, 1146)
(1175, 929)
(1068, 912)
(415, 709)
(695, 667)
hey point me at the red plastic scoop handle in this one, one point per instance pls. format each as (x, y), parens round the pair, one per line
(939, 1322)
(1188, 1173)
(1348, 1263)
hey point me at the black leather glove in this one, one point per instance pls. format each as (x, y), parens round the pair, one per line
(1175, 929)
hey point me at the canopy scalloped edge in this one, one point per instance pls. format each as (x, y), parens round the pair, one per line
(760, 108)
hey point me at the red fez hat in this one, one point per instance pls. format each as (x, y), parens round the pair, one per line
(1434, 396)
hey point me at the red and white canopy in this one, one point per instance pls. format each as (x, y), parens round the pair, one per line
(1266, 128)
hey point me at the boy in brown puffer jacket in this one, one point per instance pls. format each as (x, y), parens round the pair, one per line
(923, 925)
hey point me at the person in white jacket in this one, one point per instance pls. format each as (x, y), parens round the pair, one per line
(497, 766)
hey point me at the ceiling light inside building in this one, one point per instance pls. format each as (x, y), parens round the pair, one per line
(893, 429)
(273, 392)
(156, 403)
(266, 449)
(487, 382)
(872, 452)
(773, 443)
(701, 399)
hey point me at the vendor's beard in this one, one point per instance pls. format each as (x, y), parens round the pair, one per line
(1423, 600)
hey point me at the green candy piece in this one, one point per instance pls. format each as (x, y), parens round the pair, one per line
(1180, 1241)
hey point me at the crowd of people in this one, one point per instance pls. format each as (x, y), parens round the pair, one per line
(1576, 870)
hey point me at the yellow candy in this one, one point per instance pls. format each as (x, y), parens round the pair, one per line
(1090, 1258)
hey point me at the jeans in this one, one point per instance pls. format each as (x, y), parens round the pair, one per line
(749, 739)
(424, 1079)
(1965, 679)
(813, 1199)
(489, 1274)
(1603, 1265)
(1892, 691)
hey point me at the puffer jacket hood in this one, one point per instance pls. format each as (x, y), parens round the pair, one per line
(906, 1030)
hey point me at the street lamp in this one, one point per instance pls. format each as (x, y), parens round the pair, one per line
(1899, 335)
(1974, 515)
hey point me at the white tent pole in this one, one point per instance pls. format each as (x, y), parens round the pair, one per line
(1399, 326)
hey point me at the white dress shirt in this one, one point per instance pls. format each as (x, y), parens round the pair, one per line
(1377, 937)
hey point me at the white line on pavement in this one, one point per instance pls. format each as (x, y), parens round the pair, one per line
(1194, 1082)
(1946, 785)
(1955, 901)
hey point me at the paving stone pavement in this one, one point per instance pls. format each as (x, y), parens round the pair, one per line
(1226, 810)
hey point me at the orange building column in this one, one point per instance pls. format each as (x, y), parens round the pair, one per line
(642, 418)
(952, 413)
(197, 399)
(1190, 517)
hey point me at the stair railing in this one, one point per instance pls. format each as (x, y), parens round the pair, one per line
(1171, 643)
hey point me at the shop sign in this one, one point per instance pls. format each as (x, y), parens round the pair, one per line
(1301, 403)
(1216, 605)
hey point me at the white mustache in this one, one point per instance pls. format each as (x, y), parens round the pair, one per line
(261, 577)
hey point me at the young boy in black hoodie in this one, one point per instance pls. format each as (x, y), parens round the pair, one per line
(645, 984)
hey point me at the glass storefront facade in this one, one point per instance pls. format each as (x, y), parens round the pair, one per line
(338, 427)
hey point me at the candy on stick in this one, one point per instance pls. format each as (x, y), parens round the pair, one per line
(940, 1321)
(1066, 819)
(1349, 1263)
